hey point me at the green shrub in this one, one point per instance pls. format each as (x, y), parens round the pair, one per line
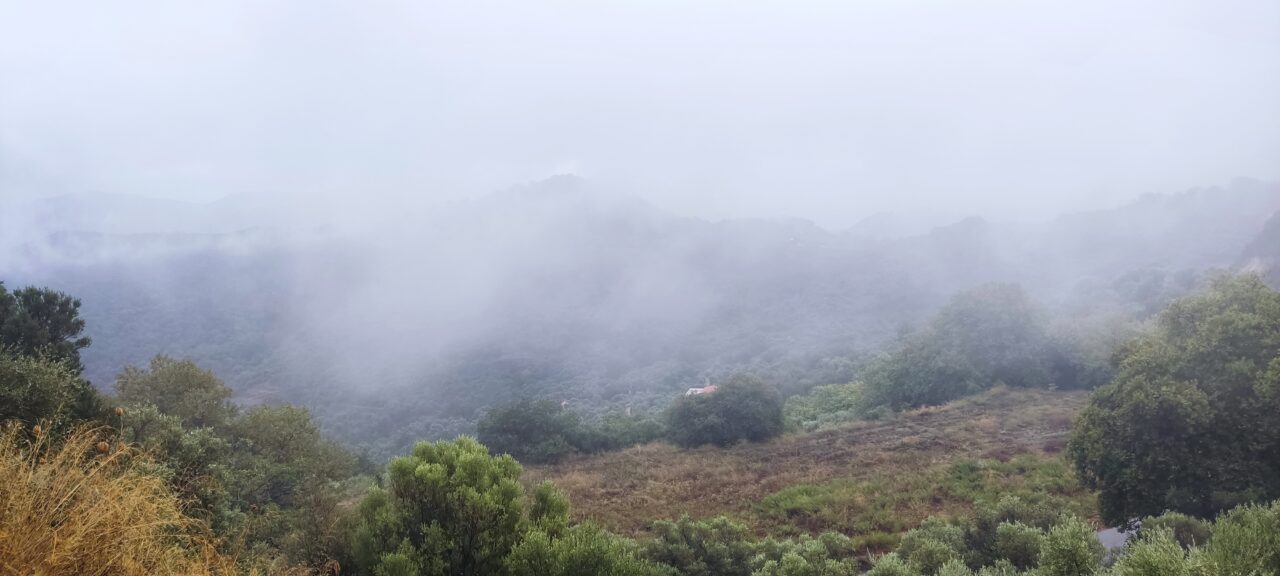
(1000, 568)
(823, 405)
(932, 545)
(716, 547)
(178, 388)
(534, 431)
(1246, 541)
(1155, 552)
(892, 565)
(450, 507)
(35, 390)
(830, 554)
(584, 550)
(1019, 544)
(743, 408)
(1188, 531)
(954, 568)
(1070, 549)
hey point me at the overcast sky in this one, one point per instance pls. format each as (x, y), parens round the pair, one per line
(826, 110)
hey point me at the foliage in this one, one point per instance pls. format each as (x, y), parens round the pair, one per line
(1187, 531)
(178, 388)
(823, 406)
(1191, 422)
(1246, 541)
(42, 322)
(1030, 489)
(37, 390)
(265, 476)
(892, 565)
(73, 508)
(1157, 553)
(988, 335)
(1070, 549)
(715, 547)
(585, 550)
(830, 554)
(742, 408)
(931, 545)
(193, 461)
(541, 431)
(450, 508)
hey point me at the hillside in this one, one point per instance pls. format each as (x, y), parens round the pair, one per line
(871, 480)
(399, 327)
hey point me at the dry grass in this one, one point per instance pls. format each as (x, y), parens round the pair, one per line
(86, 505)
(626, 491)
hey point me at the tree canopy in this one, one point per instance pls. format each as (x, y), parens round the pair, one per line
(44, 322)
(1191, 421)
(742, 408)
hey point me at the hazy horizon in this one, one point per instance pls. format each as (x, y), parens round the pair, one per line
(825, 111)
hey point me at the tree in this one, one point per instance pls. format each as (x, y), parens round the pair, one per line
(534, 431)
(449, 508)
(35, 390)
(1191, 423)
(992, 334)
(743, 408)
(278, 453)
(42, 322)
(179, 388)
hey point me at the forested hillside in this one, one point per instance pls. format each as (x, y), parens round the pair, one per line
(411, 328)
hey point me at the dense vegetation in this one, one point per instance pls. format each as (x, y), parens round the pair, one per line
(184, 480)
(1192, 420)
(540, 431)
(742, 408)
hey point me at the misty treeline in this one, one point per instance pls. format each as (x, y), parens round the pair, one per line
(416, 325)
(1187, 423)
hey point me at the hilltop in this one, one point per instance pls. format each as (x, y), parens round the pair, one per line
(870, 479)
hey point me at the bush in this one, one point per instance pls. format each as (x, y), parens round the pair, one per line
(585, 550)
(716, 547)
(931, 545)
(35, 390)
(830, 554)
(450, 507)
(534, 431)
(1156, 553)
(1187, 531)
(1019, 544)
(1246, 541)
(823, 405)
(743, 408)
(178, 388)
(88, 505)
(892, 565)
(1070, 549)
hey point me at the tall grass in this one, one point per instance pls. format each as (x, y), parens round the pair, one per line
(87, 505)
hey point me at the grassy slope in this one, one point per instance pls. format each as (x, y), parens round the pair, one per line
(871, 480)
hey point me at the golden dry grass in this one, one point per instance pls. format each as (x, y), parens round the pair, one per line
(86, 505)
(627, 490)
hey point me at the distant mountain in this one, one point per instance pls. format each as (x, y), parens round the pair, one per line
(1262, 255)
(558, 289)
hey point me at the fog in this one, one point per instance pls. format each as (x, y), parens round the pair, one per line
(400, 214)
(829, 111)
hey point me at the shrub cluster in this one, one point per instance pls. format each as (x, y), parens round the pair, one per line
(541, 431)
